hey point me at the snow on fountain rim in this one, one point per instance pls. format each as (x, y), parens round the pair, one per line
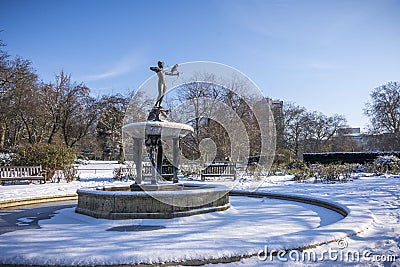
(166, 129)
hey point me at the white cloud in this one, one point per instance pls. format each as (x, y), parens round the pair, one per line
(318, 65)
(126, 64)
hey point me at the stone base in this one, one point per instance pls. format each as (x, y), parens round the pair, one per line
(157, 114)
(164, 204)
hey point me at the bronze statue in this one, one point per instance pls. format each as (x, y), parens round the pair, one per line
(162, 82)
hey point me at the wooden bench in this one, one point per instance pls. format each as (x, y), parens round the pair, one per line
(124, 172)
(223, 169)
(22, 173)
(167, 172)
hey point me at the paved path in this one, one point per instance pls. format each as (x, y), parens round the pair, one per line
(27, 217)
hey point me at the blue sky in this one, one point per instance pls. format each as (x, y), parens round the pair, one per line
(324, 55)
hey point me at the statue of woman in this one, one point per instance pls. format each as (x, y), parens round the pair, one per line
(162, 82)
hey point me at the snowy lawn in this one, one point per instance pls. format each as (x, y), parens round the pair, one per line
(250, 224)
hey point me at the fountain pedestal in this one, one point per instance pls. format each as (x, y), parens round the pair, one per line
(152, 133)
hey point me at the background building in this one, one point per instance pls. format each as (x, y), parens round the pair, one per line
(277, 110)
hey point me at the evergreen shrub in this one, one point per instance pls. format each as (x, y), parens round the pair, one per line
(51, 157)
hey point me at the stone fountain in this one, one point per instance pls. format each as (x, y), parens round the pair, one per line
(154, 199)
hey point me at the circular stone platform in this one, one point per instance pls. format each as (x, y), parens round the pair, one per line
(154, 202)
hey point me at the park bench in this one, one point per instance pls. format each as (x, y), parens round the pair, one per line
(221, 169)
(22, 173)
(124, 172)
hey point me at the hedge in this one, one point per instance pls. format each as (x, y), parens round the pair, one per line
(345, 157)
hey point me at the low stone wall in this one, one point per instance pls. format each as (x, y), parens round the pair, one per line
(36, 200)
(152, 204)
(308, 200)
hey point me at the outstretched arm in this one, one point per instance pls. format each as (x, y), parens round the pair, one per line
(174, 71)
(171, 73)
(156, 69)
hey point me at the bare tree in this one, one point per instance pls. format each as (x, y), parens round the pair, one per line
(79, 114)
(322, 129)
(109, 126)
(201, 97)
(4, 99)
(21, 109)
(53, 95)
(296, 128)
(32, 111)
(218, 110)
(383, 111)
(309, 131)
(138, 107)
(72, 111)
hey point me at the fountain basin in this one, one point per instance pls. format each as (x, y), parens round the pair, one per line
(166, 129)
(152, 204)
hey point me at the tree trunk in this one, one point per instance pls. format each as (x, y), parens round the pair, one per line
(3, 135)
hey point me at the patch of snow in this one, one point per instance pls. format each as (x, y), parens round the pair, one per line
(25, 221)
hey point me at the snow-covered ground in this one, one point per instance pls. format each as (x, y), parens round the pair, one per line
(70, 238)
(94, 174)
